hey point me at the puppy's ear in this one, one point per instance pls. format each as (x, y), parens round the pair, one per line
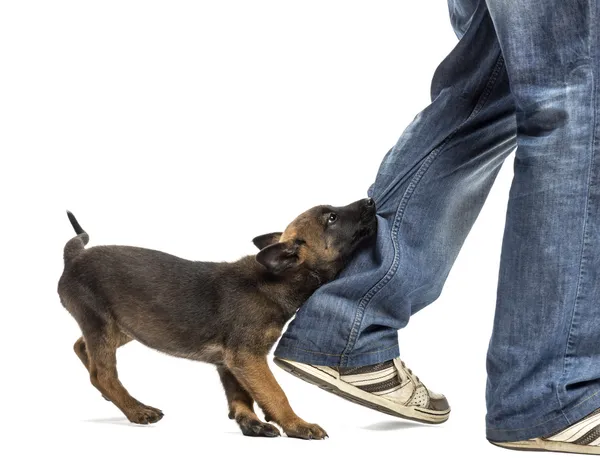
(278, 257)
(266, 239)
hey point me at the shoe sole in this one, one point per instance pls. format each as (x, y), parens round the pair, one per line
(349, 392)
(542, 445)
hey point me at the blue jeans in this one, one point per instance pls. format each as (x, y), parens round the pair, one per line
(524, 73)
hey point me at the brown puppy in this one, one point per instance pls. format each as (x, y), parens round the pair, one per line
(228, 314)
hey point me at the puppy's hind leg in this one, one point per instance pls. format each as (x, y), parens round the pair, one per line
(101, 344)
(81, 351)
(241, 407)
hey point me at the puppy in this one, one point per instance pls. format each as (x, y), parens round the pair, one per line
(228, 314)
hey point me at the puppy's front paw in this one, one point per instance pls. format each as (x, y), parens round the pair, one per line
(145, 415)
(303, 430)
(256, 428)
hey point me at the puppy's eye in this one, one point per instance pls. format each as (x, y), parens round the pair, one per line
(332, 218)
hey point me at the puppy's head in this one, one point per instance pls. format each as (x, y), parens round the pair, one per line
(319, 241)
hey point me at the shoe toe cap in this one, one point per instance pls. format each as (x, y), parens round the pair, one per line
(439, 403)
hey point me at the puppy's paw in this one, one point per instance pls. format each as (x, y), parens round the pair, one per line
(145, 415)
(256, 428)
(303, 430)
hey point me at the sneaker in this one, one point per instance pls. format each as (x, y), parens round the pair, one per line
(389, 387)
(580, 437)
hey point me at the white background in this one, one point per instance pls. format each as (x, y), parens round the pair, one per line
(191, 127)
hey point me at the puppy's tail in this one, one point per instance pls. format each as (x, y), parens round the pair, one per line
(77, 244)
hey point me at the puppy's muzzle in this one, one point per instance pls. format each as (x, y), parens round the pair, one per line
(368, 220)
(368, 209)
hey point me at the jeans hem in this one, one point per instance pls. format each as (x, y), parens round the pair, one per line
(316, 358)
(562, 420)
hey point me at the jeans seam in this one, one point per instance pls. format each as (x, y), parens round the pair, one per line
(584, 243)
(427, 162)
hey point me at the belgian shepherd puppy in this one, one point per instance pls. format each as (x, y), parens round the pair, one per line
(228, 314)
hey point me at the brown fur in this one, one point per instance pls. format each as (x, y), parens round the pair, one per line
(228, 314)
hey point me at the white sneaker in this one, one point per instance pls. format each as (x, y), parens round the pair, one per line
(580, 437)
(389, 387)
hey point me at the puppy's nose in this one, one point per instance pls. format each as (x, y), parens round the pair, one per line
(368, 208)
(370, 204)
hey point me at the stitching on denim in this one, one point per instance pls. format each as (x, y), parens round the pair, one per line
(562, 415)
(366, 299)
(339, 355)
(585, 238)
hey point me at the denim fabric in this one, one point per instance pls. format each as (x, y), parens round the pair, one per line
(522, 74)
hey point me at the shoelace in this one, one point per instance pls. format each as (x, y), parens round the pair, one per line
(400, 364)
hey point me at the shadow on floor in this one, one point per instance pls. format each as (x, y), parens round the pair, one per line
(118, 421)
(392, 426)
